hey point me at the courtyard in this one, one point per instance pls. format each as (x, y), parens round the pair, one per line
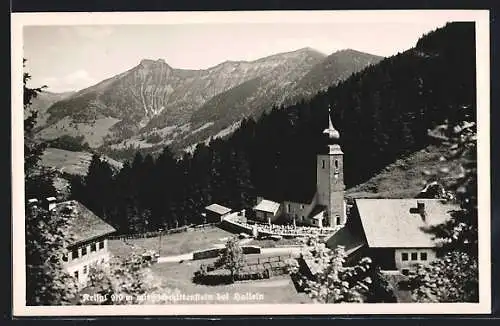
(178, 277)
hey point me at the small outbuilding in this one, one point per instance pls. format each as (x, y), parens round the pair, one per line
(215, 212)
(267, 210)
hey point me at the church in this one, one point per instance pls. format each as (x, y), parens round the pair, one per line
(327, 208)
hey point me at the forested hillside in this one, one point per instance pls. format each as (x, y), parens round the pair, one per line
(383, 113)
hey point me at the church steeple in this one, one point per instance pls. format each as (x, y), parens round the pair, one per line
(330, 177)
(333, 136)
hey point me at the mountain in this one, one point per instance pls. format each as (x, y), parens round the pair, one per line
(153, 104)
(333, 69)
(42, 102)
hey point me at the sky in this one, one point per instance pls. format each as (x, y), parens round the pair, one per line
(72, 57)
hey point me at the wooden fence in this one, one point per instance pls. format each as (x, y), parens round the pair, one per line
(149, 234)
(263, 260)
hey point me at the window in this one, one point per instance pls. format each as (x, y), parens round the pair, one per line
(65, 257)
(288, 208)
(323, 164)
(338, 220)
(74, 254)
(423, 256)
(75, 274)
(85, 269)
(101, 244)
(84, 251)
(405, 272)
(414, 255)
(336, 164)
(301, 206)
(93, 247)
(404, 256)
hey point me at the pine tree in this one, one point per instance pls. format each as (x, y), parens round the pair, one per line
(46, 239)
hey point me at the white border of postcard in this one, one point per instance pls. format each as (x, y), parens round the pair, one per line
(480, 17)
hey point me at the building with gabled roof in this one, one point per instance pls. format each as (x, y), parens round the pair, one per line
(215, 213)
(395, 233)
(86, 238)
(266, 210)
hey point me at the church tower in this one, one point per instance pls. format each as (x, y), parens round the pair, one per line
(330, 178)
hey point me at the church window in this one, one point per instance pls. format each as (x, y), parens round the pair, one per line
(323, 164)
(338, 220)
(288, 208)
(336, 164)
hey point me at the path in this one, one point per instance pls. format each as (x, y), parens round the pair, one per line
(264, 251)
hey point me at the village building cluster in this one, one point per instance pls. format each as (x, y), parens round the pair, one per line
(393, 232)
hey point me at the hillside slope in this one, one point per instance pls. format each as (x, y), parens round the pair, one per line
(72, 163)
(407, 176)
(42, 102)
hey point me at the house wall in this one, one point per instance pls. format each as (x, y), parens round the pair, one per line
(402, 264)
(300, 210)
(263, 216)
(212, 217)
(82, 263)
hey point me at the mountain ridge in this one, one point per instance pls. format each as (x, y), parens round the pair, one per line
(153, 95)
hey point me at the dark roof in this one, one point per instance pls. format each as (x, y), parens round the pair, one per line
(219, 209)
(349, 240)
(316, 210)
(393, 223)
(84, 225)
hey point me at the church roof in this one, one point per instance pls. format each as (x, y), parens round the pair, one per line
(394, 223)
(84, 225)
(267, 206)
(316, 212)
(331, 132)
(219, 209)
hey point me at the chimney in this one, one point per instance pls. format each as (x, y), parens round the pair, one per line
(50, 203)
(421, 209)
(33, 202)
